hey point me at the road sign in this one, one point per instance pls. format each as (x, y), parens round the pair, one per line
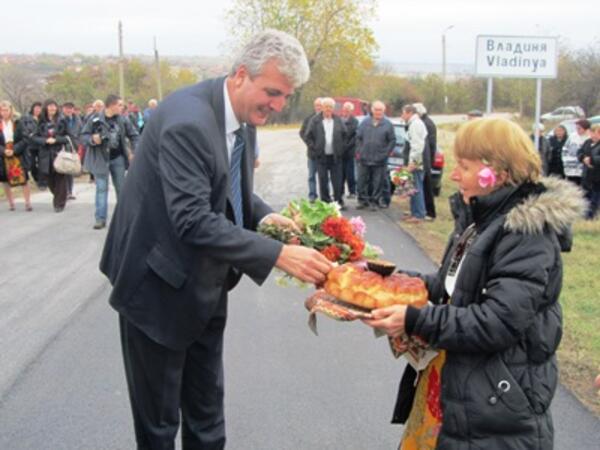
(516, 56)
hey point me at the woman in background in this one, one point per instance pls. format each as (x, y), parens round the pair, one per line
(50, 137)
(13, 144)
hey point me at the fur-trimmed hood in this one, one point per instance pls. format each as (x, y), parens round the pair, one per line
(558, 206)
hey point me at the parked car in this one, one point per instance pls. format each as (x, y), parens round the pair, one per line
(573, 168)
(399, 158)
(563, 113)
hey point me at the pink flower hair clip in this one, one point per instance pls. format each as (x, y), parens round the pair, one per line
(487, 177)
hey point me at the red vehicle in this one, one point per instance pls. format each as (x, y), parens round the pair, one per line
(361, 107)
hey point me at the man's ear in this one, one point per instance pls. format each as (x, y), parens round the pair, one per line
(240, 75)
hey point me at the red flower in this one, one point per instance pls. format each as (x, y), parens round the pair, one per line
(332, 253)
(357, 245)
(14, 172)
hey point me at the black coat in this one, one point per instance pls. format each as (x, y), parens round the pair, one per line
(504, 321)
(315, 138)
(47, 152)
(351, 128)
(431, 140)
(303, 130)
(172, 244)
(590, 178)
(555, 162)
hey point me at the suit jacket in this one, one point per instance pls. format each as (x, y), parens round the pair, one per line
(315, 137)
(172, 248)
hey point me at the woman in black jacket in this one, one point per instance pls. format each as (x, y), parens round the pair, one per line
(557, 142)
(495, 315)
(50, 137)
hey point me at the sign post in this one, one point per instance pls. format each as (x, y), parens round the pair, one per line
(517, 57)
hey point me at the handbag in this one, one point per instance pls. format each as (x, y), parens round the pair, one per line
(67, 161)
(15, 175)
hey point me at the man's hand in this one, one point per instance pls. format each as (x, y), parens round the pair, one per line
(50, 141)
(96, 139)
(411, 167)
(587, 161)
(304, 263)
(390, 320)
(280, 221)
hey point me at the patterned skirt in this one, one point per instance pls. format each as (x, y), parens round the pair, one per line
(425, 419)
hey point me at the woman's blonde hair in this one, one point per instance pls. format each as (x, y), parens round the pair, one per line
(501, 144)
(7, 104)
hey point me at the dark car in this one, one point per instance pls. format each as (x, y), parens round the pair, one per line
(399, 157)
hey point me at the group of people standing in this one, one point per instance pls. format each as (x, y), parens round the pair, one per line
(585, 144)
(105, 137)
(345, 153)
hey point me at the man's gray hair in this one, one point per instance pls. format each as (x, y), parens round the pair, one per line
(349, 106)
(282, 47)
(420, 107)
(328, 101)
(409, 109)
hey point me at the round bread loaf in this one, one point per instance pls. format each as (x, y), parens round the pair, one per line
(356, 285)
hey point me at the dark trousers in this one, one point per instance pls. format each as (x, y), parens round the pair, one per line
(57, 183)
(328, 168)
(592, 194)
(349, 176)
(370, 184)
(164, 382)
(428, 194)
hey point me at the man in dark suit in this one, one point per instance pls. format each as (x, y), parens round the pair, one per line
(310, 152)
(182, 235)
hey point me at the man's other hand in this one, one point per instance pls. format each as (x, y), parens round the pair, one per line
(304, 263)
(280, 221)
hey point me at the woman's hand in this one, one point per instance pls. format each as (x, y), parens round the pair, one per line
(390, 320)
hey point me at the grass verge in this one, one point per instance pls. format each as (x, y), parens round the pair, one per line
(579, 352)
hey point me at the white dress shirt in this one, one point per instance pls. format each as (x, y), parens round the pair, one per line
(231, 122)
(328, 127)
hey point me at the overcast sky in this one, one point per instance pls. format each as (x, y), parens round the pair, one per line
(408, 31)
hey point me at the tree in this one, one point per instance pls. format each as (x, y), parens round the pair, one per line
(339, 45)
(83, 85)
(20, 86)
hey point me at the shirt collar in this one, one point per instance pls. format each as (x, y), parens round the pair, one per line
(231, 122)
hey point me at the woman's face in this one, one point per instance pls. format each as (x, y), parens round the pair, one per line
(559, 132)
(5, 112)
(52, 108)
(466, 176)
(37, 110)
(580, 130)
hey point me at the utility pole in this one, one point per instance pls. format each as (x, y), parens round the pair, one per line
(157, 64)
(121, 59)
(444, 66)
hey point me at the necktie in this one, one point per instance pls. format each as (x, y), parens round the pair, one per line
(235, 176)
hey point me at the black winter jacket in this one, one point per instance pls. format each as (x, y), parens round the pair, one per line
(504, 322)
(590, 178)
(47, 152)
(375, 143)
(351, 127)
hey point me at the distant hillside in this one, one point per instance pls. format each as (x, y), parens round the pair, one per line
(42, 65)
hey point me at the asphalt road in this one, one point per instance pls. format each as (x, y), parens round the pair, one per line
(61, 377)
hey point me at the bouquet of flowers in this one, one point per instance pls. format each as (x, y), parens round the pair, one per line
(403, 180)
(323, 228)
